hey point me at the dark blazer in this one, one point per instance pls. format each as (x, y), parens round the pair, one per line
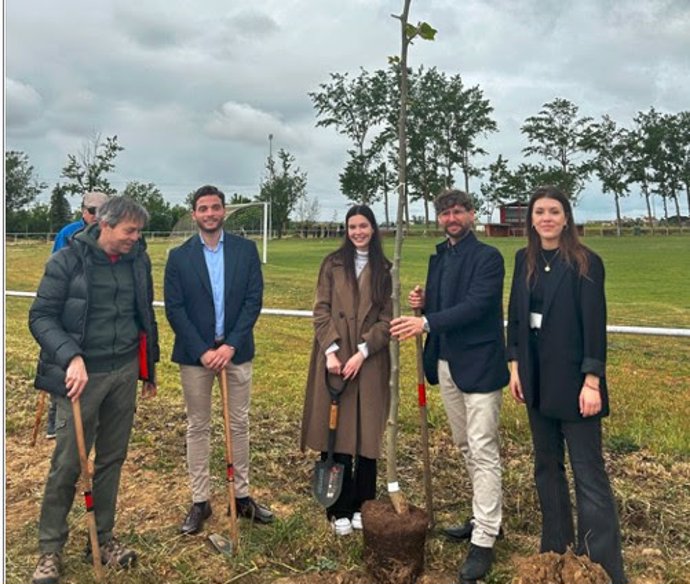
(474, 323)
(189, 299)
(572, 338)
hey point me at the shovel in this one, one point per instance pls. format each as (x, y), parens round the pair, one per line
(424, 428)
(220, 543)
(328, 474)
(40, 406)
(86, 483)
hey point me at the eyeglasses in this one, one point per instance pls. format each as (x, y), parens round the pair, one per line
(91, 210)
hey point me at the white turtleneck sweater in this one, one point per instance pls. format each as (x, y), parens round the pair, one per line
(361, 261)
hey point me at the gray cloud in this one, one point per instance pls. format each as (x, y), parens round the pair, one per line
(193, 90)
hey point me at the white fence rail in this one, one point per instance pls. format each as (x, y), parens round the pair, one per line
(626, 330)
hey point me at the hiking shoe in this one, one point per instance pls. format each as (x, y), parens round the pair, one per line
(357, 521)
(477, 563)
(48, 569)
(114, 554)
(342, 526)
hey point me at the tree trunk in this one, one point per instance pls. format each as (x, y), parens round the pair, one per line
(397, 498)
(675, 200)
(663, 197)
(426, 212)
(650, 219)
(466, 171)
(385, 197)
(616, 197)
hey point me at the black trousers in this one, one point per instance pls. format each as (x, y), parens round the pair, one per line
(598, 531)
(359, 484)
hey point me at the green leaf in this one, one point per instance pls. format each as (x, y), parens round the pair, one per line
(426, 31)
(394, 60)
(410, 31)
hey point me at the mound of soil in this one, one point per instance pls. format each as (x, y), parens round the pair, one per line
(394, 544)
(553, 568)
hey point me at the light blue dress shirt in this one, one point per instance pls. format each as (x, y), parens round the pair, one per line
(215, 263)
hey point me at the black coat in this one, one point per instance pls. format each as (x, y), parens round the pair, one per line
(474, 322)
(58, 315)
(572, 338)
(189, 299)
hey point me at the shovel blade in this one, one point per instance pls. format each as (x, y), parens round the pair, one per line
(328, 482)
(221, 544)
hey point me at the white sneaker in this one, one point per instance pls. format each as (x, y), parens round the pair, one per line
(342, 526)
(357, 521)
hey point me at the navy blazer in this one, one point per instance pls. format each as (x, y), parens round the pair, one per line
(572, 338)
(189, 299)
(473, 324)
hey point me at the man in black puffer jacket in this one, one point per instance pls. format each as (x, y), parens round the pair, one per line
(93, 318)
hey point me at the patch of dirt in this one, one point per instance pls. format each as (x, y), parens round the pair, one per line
(394, 544)
(553, 568)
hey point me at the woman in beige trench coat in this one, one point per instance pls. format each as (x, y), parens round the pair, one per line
(352, 314)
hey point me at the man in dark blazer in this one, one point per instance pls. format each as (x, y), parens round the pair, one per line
(213, 295)
(464, 353)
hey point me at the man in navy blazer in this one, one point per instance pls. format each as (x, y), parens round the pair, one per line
(464, 352)
(213, 295)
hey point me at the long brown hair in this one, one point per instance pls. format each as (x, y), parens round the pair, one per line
(379, 266)
(572, 251)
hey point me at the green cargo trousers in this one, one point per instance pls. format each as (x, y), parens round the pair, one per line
(107, 407)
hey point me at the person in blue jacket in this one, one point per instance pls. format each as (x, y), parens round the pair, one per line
(213, 295)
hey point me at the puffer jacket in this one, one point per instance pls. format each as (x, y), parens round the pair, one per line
(58, 315)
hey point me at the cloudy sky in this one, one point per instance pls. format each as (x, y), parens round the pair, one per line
(193, 89)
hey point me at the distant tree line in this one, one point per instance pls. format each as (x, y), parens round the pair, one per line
(448, 120)
(284, 187)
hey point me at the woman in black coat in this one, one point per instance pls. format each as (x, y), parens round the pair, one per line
(557, 350)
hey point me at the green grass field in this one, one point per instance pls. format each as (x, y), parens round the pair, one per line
(647, 437)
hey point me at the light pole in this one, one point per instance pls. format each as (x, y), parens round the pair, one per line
(270, 191)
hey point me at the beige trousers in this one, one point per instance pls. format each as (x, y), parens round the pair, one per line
(197, 385)
(474, 419)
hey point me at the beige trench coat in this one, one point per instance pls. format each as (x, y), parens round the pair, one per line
(339, 318)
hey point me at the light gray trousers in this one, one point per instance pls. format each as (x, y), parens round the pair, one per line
(197, 385)
(474, 419)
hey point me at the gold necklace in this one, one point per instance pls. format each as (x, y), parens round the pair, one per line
(547, 267)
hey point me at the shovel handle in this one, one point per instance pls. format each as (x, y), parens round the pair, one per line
(86, 480)
(424, 426)
(229, 465)
(40, 406)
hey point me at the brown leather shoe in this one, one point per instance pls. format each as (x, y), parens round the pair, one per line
(194, 521)
(250, 509)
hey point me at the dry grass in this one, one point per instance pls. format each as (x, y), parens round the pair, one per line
(652, 486)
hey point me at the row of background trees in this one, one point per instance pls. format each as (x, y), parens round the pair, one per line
(447, 122)
(284, 187)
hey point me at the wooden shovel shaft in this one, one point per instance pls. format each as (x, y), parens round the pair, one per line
(40, 406)
(86, 485)
(230, 469)
(424, 427)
